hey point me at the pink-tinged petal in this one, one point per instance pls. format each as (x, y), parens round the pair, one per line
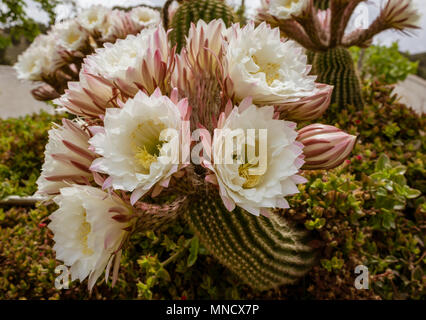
(96, 129)
(206, 141)
(184, 108)
(228, 108)
(283, 204)
(107, 183)
(276, 116)
(299, 179)
(136, 195)
(265, 212)
(108, 268)
(156, 190)
(157, 93)
(165, 182)
(211, 178)
(174, 95)
(299, 162)
(221, 121)
(107, 241)
(116, 268)
(229, 204)
(247, 102)
(97, 178)
(95, 166)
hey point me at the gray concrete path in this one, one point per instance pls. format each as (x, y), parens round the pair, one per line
(15, 96)
(413, 93)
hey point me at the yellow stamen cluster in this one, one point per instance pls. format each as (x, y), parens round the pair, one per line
(251, 180)
(144, 158)
(84, 232)
(72, 37)
(269, 69)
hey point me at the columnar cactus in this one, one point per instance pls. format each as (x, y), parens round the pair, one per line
(190, 11)
(264, 252)
(323, 32)
(335, 66)
(321, 4)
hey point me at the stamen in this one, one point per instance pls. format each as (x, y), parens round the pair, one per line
(269, 69)
(84, 232)
(144, 158)
(251, 180)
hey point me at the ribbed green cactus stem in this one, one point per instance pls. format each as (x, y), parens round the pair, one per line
(263, 252)
(336, 67)
(194, 10)
(322, 4)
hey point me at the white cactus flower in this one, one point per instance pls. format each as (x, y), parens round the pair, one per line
(134, 154)
(88, 228)
(266, 68)
(253, 185)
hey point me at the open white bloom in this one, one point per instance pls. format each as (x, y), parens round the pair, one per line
(30, 64)
(262, 66)
(112, 61)
(284, 9)
(67, 158)
(39, 60)
(70, 35)
(86, 230)
(93, 18)
(140, 61)
(144, 17)
(262, 180)
(134, 154)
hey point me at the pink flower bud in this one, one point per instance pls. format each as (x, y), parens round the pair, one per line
(307, 108)
(44, 93)
(325, 147)
(401, 14)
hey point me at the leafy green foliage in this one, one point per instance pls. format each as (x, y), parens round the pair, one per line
(385, 63)
(13, 16)
(22, 144)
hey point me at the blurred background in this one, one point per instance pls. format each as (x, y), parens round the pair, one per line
(44, 12)
(22, 20)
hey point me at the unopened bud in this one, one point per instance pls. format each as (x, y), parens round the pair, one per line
(307, 108)
(325, 147)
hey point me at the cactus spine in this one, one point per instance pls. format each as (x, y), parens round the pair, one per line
(264, 252)
(194, 10)
(336, 67)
